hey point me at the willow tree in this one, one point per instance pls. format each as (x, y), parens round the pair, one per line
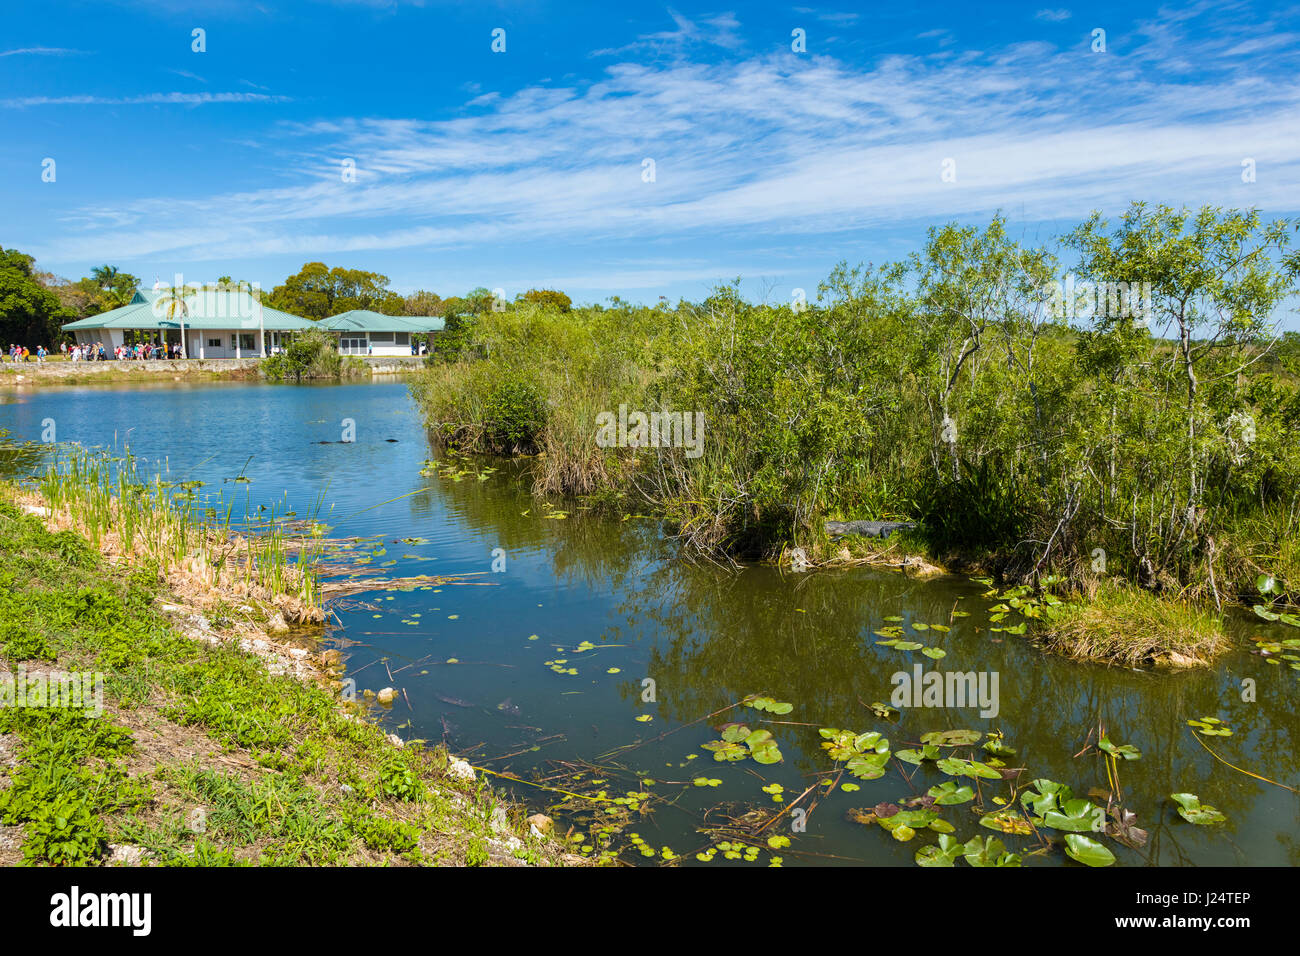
(976, 289)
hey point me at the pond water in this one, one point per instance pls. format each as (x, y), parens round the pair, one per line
(706, 636)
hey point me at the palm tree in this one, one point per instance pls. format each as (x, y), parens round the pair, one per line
(171, 302)
(104, 275)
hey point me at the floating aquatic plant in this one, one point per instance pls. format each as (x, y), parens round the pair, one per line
(988, 851)
(1087, 851)
(768, 704)
(949, 793)
(739, 742)
(1210, 727)
(1192, 810)
(864, 755)
(1124, 751)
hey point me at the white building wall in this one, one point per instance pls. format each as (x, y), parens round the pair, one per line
(362, 343)
(199, 343)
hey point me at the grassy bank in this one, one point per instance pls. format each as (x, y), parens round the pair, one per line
(1147, 441)
(218, 744)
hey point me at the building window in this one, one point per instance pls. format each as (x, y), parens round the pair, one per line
(402, 338)
(214, 343)
(245, 341)
(381, 338)
(354, 344)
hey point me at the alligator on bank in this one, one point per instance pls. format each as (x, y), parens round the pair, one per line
(869, 529)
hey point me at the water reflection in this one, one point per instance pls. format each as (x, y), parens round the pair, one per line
(705, 635)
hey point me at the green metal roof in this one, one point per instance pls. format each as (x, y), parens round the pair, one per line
(204, 310)
(364, 320)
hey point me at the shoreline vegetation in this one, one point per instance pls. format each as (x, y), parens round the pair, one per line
(221, 736)
(1125, 445)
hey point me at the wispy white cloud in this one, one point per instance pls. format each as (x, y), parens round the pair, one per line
(42, 51)
(719, 30)
(183, 99)
(1058, 15)
(775, 146)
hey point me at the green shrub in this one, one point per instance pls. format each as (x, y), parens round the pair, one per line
(312, 354)
(515, 415)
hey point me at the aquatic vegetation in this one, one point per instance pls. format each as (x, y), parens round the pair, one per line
(864, 755)
(995, 746)
(1192, 810)
(957, 767)
(1126, 625)
(950, 793)
(945, 853)
(768, 704)
(988, 852)
(1087, 851)
(111, 505)
(951, 738)
(1007, 820)
(1210, 727)
(1123, 751)
(739, 742)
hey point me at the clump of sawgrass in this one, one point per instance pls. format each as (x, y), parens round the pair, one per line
(1132, 627)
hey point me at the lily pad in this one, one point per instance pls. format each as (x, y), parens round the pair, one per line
(956, 767)
(1087, 851)
(1007, 820)
(1123, 751)
(1210, 727)
(945, 854)
(950, 793)
(988, 852)
(951, 738)
(1192, 810)
(769, 705)
(1076, 816)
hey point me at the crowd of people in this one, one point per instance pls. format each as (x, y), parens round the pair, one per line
(20, 353)
(96, 352)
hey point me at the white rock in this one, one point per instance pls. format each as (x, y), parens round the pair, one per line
(460, 769)
(125, 854)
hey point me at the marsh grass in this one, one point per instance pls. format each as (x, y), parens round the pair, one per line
(1135, 628)
(149, 520)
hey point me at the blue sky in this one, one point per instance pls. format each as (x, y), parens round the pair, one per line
(525, 168)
